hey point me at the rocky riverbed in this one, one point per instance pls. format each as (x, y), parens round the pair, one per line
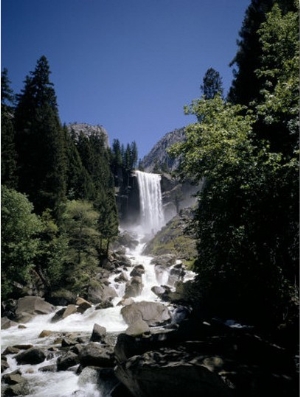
(143, 337)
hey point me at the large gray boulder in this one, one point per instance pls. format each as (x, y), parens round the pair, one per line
(30, 306)
(100, 292)
(153, 313)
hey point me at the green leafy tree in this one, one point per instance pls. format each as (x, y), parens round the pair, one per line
(50, 258)
(19, 244)
(246, 238)
(80, 225)
(278, 109)
(212, 84)
(8, 151)
(40, 142)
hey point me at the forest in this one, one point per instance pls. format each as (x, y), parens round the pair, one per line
(59, 207)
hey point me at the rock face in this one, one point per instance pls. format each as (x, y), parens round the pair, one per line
(158, 154)
(88, 130)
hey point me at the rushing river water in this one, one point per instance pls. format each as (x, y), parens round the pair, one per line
(67, 383)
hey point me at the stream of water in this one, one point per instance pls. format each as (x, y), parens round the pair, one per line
(67, 383)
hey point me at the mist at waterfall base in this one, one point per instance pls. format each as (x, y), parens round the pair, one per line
(68, 383)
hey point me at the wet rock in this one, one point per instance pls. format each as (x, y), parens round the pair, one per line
(98, 333)
(138, 270)
(48, 368)
(103, 379)
(125, 302)
(83, 305)
(121, 278)
(104, 305)
(31, 356)
(139, 327)
(94, 354)
(70, 309)
(30, 306)
(169, 373)
(66, 361)
(45, 333)
(153, 313)
(11, 350)
(7, 323)
(4, 363)
(99, 292)
(133, 287)
(17, 384)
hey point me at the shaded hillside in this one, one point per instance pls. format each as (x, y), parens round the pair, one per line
(158, 158)
(174, 239)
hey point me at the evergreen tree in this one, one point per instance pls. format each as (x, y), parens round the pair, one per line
(245, 87)
(212, 84)
(8, 151)
(40, 142)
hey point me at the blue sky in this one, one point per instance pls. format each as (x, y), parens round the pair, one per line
(129, 65)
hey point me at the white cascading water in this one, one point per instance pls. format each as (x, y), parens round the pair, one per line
(151, 210)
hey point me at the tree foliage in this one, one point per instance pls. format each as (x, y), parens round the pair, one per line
(247, 215)
(19, 244)
(39, 142)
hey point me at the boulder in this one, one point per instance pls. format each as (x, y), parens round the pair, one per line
(62, 297)
(153, 313)
(94, 354)
(121, 278)
(139, 327)
(98, 333)
(138, 270)
(31, 356)
(30, 306)
(17, 385)
(169, 373)
(83, 305)
(103, 379)
(66, 361)
(165, 260)
(7, 323)
(99, 292)
(133, 287)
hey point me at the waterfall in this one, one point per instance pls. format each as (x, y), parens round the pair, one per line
(151, 211)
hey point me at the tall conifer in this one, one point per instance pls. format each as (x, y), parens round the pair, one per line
(40, 141)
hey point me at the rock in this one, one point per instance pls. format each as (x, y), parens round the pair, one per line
(98, 333)
(99, 292)
(121, 278)
(94, 354)
(133, 287)
(48, 368)
(66, 361)
(4, 364)
(139, 327)
(11, 350)
(125, 302)
(103, 379)
(138, 270)
(152, 313)
(7, 323)
(70, 309)
(31, 356)
(104, 305)
(30, 306)
(18, 386)
(45, 333)
(165, 261)
(83, 305)
(168, 372)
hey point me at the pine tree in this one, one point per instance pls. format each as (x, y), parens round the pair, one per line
(8, 151)
(40, 142)
(212, 84)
